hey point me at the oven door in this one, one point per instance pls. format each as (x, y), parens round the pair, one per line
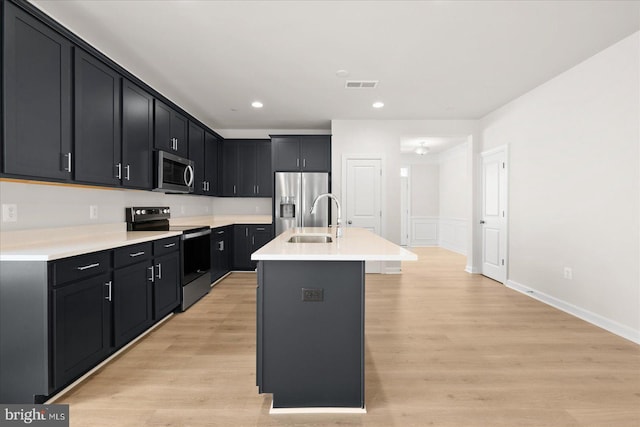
(174, 174)
(196, 255)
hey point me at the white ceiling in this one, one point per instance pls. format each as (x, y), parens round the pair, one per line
(433, 59)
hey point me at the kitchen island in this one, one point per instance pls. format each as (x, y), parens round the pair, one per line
(310, 317)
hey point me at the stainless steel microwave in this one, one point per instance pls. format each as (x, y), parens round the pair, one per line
(174, 174)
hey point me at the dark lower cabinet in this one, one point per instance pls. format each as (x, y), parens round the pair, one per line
(248, 238)
(221, 244)
(132, 302)
(37, 98)
(81, 333)
(97, 145)
(166, 284)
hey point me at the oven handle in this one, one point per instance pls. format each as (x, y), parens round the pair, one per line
(197, 234)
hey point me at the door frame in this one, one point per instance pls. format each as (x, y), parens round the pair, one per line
(405, 216)
(504, 149)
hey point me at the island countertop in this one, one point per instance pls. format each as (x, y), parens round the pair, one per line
(356, 244)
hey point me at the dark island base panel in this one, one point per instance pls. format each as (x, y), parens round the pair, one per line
(311, 333)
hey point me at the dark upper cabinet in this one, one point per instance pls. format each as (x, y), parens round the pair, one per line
(211, 150)
(97, 121)
(303, 153)
(37, 96)
(203, 151)
(196, 154)
(170, 130)
(137, 137)
(246, 165)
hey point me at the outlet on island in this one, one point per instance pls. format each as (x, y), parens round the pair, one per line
(312, 294)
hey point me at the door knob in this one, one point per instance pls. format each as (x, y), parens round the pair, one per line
(349, 222)
(481, 221)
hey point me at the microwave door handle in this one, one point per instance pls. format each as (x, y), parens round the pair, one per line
(189, 170)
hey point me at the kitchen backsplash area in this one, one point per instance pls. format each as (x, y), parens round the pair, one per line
(35, 205)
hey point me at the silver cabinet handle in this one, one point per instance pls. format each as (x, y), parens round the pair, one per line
(108, 285)
(304, 163)
(188, 170)
(246, 231)
(136, 254)
(253, 240)
(152, 278)
(257, 189)
(260, 229)
(68, 168)
(169, 245)
(220, 232)
(127, 174)
(204, 185)
(86, 267)
(298, 163)
(119, 173)
(159, 276)
(221, 246)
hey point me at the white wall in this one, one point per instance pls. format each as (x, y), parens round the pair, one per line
(382, 137)
(455, 201)
(574, 187)
(44, 206)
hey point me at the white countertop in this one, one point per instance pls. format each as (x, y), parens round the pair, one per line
(55, 243)
(357, 244)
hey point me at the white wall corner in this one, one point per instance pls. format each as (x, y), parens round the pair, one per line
(612, 326)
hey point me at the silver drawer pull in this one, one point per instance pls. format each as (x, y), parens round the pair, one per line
(136, 254)
(153, 277)
(170, 245)
(159, 275)
(220, 232)
(86, 267)
(260, 229)
(108, 285)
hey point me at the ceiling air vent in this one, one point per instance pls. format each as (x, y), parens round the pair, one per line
(361, 84)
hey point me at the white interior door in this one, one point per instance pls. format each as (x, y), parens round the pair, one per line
(494, 214)
(362, 198)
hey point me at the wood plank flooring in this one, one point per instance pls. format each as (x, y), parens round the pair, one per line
(443, 348)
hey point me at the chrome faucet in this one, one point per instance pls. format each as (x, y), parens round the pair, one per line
(339, 219)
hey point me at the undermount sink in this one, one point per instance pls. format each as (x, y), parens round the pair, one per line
(310, 238)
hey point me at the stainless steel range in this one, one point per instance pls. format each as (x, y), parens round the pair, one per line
(195, 249)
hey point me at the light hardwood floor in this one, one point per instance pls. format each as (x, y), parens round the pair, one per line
(443, 348)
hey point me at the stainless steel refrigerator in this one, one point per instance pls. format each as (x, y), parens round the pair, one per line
(294, 195)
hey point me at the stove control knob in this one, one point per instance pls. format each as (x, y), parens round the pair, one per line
(143, 211)
(165, 210)
(138, 211)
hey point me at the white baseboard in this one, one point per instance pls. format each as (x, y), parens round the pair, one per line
(586, 315)
(472, 270)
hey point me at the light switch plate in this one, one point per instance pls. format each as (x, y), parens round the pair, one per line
(9, 212)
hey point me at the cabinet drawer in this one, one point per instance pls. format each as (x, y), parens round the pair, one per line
(131, 254)
(165, 246)
(78, 267)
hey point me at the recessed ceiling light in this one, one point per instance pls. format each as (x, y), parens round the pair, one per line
(342, 73)
(256, 104)
(378, 104)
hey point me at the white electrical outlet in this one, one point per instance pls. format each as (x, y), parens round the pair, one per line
(93, 212)
(9, 212)
(568, 273)
(182, 209)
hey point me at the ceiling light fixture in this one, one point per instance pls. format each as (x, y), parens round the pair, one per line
(378, 104)
(342, 73)
(422, 149)
(256, 104)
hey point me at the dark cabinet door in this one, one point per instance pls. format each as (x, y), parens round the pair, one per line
(241, 247)
(246, 168)
(166, 285)
(286, 154)
(315, 153)
(264, 176)
(132, 301)
(196, 154)
(162, 139)
(211, 164)
(220, 250)
(81, 327)
(37, 85)
(229, 168)
(260, 236)
(179, 126)
(137, 136)
(97, 121)
(170, 130)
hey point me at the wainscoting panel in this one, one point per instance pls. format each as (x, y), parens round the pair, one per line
(448, 233)
(424, 231)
